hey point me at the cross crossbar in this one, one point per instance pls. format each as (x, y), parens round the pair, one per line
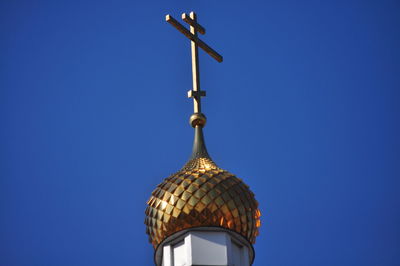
(194, 38)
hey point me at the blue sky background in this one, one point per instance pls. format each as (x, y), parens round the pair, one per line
(94, 114)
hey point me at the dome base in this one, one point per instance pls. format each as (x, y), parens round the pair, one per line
(204, 246)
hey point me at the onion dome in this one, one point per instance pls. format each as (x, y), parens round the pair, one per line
(201, 195)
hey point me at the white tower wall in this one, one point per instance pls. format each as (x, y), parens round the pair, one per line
(205, 246)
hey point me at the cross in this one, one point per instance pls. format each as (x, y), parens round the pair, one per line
(195, 28)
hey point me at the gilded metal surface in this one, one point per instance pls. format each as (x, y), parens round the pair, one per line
(195, 43)
(201, 194)
(192, 37)
(197, 119)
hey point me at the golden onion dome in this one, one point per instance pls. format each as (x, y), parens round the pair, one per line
(201, 195)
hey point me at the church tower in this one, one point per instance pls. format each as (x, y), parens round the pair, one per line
(201, 215)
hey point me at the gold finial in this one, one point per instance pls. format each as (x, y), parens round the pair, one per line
(195, 28)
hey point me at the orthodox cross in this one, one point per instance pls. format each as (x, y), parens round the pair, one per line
(195, 28)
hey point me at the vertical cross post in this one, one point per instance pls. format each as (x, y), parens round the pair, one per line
(195, 68)
(196, 93)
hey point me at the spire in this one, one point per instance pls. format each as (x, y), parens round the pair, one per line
(200, 157)
(199, 147)
(198, 119)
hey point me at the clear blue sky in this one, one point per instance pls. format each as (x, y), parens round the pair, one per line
(304, 108)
